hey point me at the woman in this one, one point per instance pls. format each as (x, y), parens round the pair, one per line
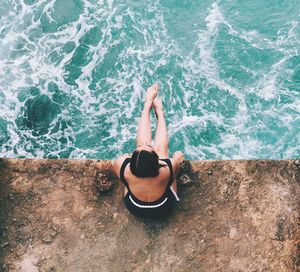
(148, 175)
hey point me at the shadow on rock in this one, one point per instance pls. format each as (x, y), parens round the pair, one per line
(13, 237)
(186, 176)
(105, 181)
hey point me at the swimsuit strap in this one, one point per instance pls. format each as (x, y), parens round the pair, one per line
(171, 178)
(122, 177)
(127, 160)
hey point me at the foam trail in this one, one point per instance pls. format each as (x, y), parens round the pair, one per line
(91, 68)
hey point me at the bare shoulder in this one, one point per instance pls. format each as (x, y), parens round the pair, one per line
(117, 163)
(166, 170)
(176, 160)
(175, 164)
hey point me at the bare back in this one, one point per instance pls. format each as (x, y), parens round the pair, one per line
(151, 188)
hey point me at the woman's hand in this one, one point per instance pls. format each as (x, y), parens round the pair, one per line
(179, 156)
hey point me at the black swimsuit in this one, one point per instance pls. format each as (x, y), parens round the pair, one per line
(154, 209)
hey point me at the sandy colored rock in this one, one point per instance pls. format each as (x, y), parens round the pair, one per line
(68, 215)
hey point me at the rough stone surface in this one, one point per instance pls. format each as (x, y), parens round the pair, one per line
(68, 215)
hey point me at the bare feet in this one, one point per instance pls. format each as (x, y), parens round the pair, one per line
(152, 93)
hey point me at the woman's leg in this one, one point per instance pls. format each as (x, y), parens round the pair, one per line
(161, 145)
(144, 126)
(161, 135)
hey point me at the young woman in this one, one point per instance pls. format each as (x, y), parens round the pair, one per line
(148, 174)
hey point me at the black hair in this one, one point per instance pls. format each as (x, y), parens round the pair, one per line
(144, 164)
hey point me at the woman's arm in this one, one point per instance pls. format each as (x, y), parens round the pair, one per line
(177, 159)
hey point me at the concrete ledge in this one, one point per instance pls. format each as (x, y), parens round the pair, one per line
(68, 215)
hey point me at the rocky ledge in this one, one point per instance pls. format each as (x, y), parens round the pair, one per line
(68, 215)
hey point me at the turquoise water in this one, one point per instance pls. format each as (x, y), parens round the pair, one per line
(73, 75)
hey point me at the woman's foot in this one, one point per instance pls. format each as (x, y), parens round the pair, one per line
(152, 93)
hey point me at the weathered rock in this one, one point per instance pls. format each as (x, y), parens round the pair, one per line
(103, 181)
(185, 180)
(47, 239)
(5, 244)
(55, 215)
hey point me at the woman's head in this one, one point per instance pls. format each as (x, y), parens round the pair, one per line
(144, 163)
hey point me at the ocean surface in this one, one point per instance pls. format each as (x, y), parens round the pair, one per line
(73, 75)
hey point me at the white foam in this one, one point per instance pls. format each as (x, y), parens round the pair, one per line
(125, 84)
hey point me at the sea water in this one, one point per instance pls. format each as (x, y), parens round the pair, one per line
(73, 76)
